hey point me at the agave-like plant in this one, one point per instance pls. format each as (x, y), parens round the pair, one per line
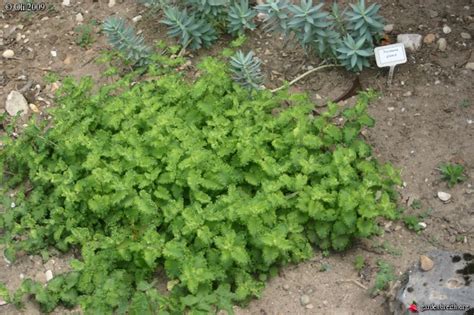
(308, 21)
(277, 16)
(240, 17)
(354, 55)
(123, 38)
(246, 70)
(209, 8)
(364, 22)
(191, 31)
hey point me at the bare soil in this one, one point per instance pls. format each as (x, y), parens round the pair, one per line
(425, 118)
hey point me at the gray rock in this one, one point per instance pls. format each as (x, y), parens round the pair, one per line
(449, 282)
(111, 3)
(411, 42)
(15, 103)
(8, 54)
(66, 3)
(433, 13)
(470, 65)
(442, 44)
(465, 35)
(79, 18)
(304, 299)
(137, 18)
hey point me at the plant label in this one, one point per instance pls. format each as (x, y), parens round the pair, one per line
(390, 55)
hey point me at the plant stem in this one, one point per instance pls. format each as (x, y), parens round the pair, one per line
(304, 75)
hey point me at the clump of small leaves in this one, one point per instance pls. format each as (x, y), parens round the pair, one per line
(359, 263)
(193, 178)
(123, 38)
(246, 70)
(383, 278)
(84, 35)
(452, 173)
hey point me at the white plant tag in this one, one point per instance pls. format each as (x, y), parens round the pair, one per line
(390, 56)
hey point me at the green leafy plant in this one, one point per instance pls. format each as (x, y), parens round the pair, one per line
(51, 77)
(347, 36)
(124, 39)
(240, 17)
(359, 263)
(384, 276)
(416, 204)
(191, 31)
(193, 178)
(465, 103)
(412, 222)
(452, 173)
(246, 70)
(84, 37)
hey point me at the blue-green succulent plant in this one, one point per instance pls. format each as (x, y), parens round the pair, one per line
(246, 70)
(240, 17)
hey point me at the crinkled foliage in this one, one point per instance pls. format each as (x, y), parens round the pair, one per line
(193, 178)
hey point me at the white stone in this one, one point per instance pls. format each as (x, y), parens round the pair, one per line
(15, 103)
(422, 225)
(411, 42)
(54, 53)
(444, 196)
(470, 65)
(465, 35)
(66, 3)
(79, 18)
(446, 29)
(388, 28)
(49, 275)
(137, 18)
(111, 3)
(8, 53)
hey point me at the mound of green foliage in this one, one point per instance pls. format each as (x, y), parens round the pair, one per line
(196, 179)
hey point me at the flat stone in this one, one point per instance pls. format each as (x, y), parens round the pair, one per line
(411, 42)
(465, 35)
(470, 65)
(450, 282)
(15, 103)
(79, 18)
(111, 3)
(137, 18)
(66, 3)
(426, 264)
(48, 275)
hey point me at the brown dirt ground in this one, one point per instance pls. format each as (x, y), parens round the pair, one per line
(419, 132)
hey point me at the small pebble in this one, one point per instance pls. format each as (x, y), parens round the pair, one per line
(137, 18)
(388, 28)
(442, 44)
(429, 39)
(407, 94)
(66, 3)
(390, 109)
(465, 35)
(309, 306)
(8, 54)
(49, 275)
(111, 3)
(54, 53)
(446, 29)
(444, 196)
(470, 65)
(286, 287)
(426, 264)
(422, 225)
(304, 300)
(79, 18)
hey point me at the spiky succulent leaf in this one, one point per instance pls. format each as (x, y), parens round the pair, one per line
(123, 38)
(277, 15)
(240, 17)
(191, 31)
(354, 54)
(364, 22)
(308, 21)
(246, 70)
